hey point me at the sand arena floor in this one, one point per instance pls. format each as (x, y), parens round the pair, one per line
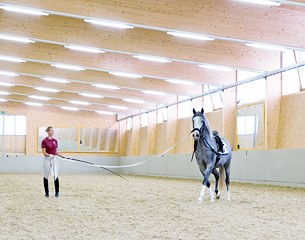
(105, 207)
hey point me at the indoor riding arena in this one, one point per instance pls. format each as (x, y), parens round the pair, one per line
(138, 119)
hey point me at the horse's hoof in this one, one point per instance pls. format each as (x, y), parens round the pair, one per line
(229, 199)
(217, 196)
(212, 200)
(200, 200)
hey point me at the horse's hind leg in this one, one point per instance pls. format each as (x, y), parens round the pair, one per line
(216, 175)
(227, 170)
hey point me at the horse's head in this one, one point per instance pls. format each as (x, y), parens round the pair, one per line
(198, 123)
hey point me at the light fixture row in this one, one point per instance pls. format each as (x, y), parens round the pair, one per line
(121, 25)
(138, 56)
(105, 86)
(89, 95)
(77, 102)
(37, 104)
(262, 2)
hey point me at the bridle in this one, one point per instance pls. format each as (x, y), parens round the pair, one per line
(197, 129)
(201, 135)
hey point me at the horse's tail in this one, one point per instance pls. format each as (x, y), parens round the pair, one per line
(222, 177)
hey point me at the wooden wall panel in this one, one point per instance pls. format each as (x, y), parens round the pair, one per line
(143, 141)
(152, 129)
(273, 107)
(291, 133)
(184, 126)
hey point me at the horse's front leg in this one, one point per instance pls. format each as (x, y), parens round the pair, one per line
(206, 183)
(216, 175)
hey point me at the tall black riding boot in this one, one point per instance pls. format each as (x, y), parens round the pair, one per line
(46, 187)
(56, 183)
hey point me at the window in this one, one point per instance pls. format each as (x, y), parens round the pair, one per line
(12, 134)
(213, 101)
(300, 56)
(247, 125)
(250, 92)
(207, 102)
(9, 124)
(144, 119)
(20, 125)
(162, 114)
(129, 123)
(293, 80)
(290, 83)
(13, 125)
(185, 108)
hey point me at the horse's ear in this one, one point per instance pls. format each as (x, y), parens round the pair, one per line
(194, 111)
(202, 111)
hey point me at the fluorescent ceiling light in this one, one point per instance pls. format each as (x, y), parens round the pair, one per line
(70, 108)
(34, 104)
(11, 59)
(154, 92)
(44, 89)
(6, 84)
(3, 100)
(90, 95)
(24, 10)
(117, 107)
(4, 93)
(190, 36)
(217, 67)
(133, 100)
(79, 102)
(68, 67)
(266, 46)
(105, 86)
(182, 82)
(57, 80)
(84, 49)
(109, 23)
(122, 74)
(105, 112)
(263, 2)
(152, 58)
(8, 74)
(16, 39)
(40, 97)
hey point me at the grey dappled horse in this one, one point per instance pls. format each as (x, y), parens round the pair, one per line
(209, 157)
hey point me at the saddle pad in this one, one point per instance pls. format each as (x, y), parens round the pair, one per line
(225, 149)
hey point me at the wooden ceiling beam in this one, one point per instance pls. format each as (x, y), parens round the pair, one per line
(68, 96)
(114, 61)
(89, 77)
(277, 25)
(142, 41)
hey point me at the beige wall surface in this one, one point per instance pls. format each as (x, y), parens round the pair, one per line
(157, 138)
(291, 132)
(51, 116)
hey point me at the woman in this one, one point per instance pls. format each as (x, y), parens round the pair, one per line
(49, 147)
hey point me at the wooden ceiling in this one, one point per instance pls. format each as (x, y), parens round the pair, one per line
(232, 23)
